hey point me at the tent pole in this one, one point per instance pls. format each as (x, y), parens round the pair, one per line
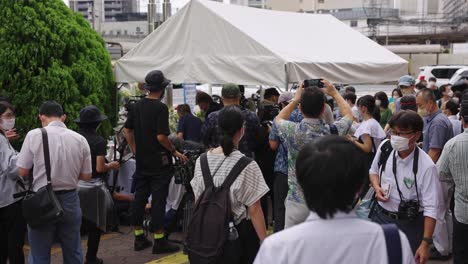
(286, 78)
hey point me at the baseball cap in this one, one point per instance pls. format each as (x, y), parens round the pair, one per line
(230, 91)
(155, 81)
(406, 80)
(90, 114)
(285, 97)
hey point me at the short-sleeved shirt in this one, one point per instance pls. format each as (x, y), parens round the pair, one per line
(296, 136)
(190, 126)
(453, 168)
(281, 161)
(98, 147)
(372, 128)
(247, 145)
(427, 179)
(8, 172)
(247, 189)
(149, 118)
(437, 131)
(70, 156)
(385, 116)
(456, 125)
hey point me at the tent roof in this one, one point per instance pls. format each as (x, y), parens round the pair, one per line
(211, 42)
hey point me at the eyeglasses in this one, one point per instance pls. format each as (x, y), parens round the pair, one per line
(401, 133)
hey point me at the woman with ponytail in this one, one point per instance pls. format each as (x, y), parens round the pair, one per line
(246, 191)
(369, 134)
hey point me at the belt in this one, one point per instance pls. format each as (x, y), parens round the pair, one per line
(392, 215)
(64, 191)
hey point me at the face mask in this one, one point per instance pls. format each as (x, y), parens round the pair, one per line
(399, 143)
(456, 100)
(423, 112)
(395, 97)
(378, 102)
(431, 84)
(7, 124)
(450, 94)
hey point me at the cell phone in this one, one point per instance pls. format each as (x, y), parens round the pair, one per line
(313, 82)
(386, 187)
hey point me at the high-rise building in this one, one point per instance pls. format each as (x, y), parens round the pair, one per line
(111, 9)
(456, 10)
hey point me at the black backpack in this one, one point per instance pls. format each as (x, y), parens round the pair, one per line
(209, 226)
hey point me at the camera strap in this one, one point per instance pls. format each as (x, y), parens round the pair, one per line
(415, 171)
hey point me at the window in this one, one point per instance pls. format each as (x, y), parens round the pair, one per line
(125, 32)
(354, 23)
(321, 1)
(444, 73)
(138, 29)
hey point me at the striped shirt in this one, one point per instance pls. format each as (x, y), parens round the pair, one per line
(247, 189)
(453, 168)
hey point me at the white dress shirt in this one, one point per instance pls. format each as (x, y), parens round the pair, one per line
(429, 188)
(456, 124)
(69, 152)
(342, 239)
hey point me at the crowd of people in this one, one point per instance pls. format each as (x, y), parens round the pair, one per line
(313, 157)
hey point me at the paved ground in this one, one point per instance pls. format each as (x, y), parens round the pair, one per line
(117, 248)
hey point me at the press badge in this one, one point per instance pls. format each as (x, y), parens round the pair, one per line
(409, 182)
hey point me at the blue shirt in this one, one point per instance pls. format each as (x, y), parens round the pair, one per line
(437, 131)
(281, 161)
(190, 126)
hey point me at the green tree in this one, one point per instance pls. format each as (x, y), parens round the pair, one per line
(47, 52)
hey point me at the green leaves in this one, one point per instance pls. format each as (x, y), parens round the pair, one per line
(49, 53)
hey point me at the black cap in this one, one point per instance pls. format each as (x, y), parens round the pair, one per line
(51, 109)
(90, 114)
(155, 81)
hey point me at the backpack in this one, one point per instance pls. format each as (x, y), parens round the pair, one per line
(209, 226)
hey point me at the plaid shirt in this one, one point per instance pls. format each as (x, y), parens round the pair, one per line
(248, 144)
(297, 135)
(281, 162)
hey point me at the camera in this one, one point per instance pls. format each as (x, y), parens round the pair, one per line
(408, 209)
(313, 82)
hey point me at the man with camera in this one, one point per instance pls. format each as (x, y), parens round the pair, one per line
(406, 184)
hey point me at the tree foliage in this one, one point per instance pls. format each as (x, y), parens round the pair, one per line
(47, 52)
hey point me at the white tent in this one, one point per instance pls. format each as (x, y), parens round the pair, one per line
(210, 42)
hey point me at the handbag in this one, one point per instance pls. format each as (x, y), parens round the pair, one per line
(42, 207)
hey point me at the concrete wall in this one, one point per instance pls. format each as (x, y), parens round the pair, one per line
(125, 28)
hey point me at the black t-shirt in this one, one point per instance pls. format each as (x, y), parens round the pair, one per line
(149, 118)
(98, 147)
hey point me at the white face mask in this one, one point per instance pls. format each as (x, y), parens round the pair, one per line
(450, 94)
(399, 143)
(7, 124)
(431, 84)
(378, 102)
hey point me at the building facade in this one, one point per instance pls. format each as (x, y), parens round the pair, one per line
(108, 10)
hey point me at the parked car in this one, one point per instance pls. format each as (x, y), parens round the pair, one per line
(442, 73)
(461, 74)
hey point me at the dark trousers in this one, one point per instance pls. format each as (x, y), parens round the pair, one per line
(158, 187)
(249, 244)
(460, 242)
(12, 234)
(94, 237)
(281, 189)
(414, 229)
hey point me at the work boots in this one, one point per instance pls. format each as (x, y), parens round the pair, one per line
(162, 246)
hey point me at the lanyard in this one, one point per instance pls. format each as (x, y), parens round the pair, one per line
(415, 171)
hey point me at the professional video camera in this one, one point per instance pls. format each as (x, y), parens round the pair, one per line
(184, 172)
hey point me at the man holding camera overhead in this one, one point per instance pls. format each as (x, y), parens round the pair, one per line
(407, 186)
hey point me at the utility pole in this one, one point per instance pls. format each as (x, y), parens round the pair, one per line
(167, 10)
(151, 16)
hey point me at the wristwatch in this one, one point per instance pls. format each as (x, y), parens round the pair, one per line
(428, 240)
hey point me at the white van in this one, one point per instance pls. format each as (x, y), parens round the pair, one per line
(442, 73)
(459, 75)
